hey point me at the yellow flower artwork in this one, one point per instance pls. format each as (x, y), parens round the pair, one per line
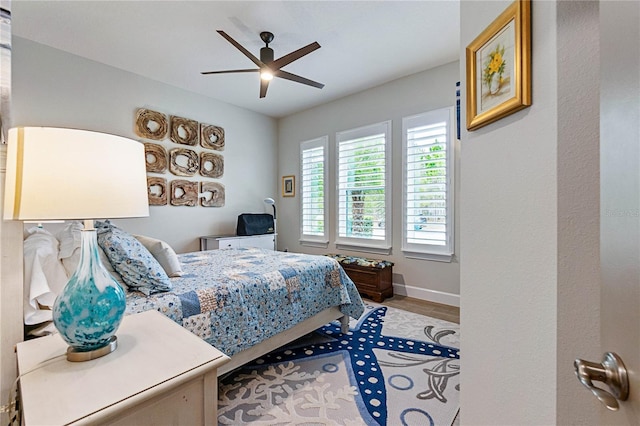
(494, 66)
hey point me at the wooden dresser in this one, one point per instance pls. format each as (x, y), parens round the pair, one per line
(160, 374)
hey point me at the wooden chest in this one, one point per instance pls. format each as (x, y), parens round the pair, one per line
(376, 283)
(372, 277)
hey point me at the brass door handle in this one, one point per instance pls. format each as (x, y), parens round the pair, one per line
(611, 372)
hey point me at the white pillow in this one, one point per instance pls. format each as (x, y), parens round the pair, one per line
(44, 275)
(164, 254)
(70, 239)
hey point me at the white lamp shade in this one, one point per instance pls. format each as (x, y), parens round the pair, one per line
(55, 173)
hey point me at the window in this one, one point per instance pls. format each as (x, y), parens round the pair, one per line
(428, 190)
(313, 165)
(363, 176)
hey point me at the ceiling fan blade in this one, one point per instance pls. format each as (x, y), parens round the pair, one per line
(298, 79)
(248, 54)
(296, 54)
(229, 71)
(264, 85)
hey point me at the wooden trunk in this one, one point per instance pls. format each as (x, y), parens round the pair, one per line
(376, 283)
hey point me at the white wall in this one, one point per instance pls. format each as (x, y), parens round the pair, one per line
(620, 195)
(529, 230)
(54, 88)
(411, 95)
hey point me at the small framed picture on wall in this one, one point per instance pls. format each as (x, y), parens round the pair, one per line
(288, 186)
(499, 67)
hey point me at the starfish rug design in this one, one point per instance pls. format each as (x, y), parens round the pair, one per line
(393, 367)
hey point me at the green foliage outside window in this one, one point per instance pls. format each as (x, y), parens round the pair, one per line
(366, 196)
(433, 176)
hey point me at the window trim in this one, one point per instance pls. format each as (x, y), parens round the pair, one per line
(365, 244)
(427, 251)
(320, 241)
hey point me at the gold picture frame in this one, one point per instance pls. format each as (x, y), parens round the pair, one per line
(288, 186)
(499, 67)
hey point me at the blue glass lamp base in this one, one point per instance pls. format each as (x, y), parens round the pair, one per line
(74, 355)
(89, 310)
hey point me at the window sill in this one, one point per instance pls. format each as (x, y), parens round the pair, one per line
(364, 249)
(317, 244)
(447, 258)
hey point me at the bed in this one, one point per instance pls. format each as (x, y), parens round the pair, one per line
(245, 302)
(242, 300)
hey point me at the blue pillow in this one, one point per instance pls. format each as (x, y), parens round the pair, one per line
(137, 266)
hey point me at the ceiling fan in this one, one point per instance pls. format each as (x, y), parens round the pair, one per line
(268, 67)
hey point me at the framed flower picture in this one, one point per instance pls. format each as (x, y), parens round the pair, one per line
(499, 67)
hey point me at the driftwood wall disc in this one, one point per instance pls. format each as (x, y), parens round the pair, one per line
(184, 193)
(155, 158)
(184, 162)
(213, 194)
(211, 165)
(184, 131)
(212, 137)
(151, 124)
(157, 191)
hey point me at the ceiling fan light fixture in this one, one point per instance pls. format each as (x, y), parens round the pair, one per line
(266, 75)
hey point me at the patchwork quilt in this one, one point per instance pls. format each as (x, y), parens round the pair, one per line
(235, 299)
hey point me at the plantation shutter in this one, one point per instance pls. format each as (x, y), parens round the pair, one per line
(427, 184)
(313, 191)
(313, 164)
(362, 183)
(428, 199)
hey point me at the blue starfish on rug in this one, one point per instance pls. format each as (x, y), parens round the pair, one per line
(389, 369)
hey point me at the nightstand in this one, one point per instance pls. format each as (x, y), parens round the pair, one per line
(160, 374)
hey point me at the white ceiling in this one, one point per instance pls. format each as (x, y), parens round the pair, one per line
(364, 43)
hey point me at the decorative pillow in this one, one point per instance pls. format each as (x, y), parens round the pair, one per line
(44, 275)
(138, 268)
(70, 240)
(164, 254)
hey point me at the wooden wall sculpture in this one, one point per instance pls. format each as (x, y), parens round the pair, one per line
(157, 191)
(186, 156)
(184, 131)
(184, 193)
(211, 165)
(212, 137)
(213, 194)
(151, 124)
(184, 162)
(155, 158)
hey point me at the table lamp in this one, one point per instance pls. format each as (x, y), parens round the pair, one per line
(63, 174)
(272, 203)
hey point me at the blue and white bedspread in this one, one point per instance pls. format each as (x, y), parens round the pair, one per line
(234, 299)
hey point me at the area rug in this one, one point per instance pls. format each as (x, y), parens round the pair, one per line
(392, 368)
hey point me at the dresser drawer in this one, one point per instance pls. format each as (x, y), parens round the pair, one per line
(229, 243)
(214, 242)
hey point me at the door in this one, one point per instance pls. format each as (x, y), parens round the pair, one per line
(620, 196)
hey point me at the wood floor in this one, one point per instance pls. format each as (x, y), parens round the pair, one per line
(423, 307)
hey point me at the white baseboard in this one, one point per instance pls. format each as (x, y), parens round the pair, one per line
(428, 295)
